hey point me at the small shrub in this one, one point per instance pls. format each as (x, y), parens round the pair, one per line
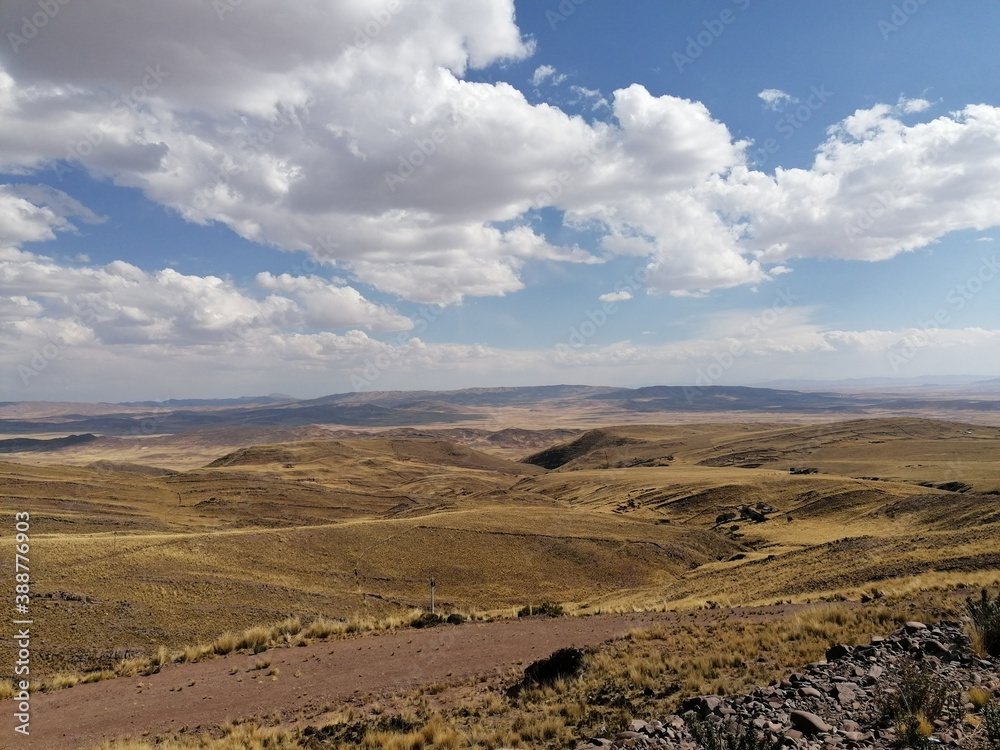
(426, 620)
(455, 619)
(985, 614)
(549, 609)
(719, 736)
(916, 698)
(991, 725)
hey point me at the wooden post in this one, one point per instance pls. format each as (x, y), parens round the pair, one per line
(433, 587)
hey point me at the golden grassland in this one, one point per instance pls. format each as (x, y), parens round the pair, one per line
(355, 528)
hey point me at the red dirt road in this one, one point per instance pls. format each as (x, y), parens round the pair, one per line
(204, 695)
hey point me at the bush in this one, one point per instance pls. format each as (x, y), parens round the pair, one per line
(917, 697)
(985, 614)
(427, 619)
(719, 736)
(455, 619)
(549, 609)
(991, 725)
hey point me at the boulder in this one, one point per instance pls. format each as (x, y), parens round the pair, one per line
(839, 651)
(808, 723)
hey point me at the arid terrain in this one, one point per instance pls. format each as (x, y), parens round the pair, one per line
(159, 528)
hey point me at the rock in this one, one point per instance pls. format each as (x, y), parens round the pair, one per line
(913, 627)
(566, 662)
(808, 723)
(844, 696)
(638, 725)
(703, 705)
(811, 692)
(936, 648)
(837, 652)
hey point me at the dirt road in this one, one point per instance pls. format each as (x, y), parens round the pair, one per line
(204, 695)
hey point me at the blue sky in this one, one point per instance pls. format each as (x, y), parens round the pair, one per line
(209, 199)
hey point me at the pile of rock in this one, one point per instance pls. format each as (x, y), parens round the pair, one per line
(830, 705)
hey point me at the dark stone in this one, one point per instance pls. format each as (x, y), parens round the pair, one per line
(808, 723)
(839, 651)
(566, 662)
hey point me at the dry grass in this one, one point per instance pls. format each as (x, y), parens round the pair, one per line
(346, 534)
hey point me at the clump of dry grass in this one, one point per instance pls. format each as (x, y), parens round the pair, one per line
(241, 737)
(979, 697)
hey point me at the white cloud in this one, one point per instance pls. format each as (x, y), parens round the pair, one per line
(211, 118)
(909, 106)
(615, 297)
(331, 306)
(545, 73)
(775, 98)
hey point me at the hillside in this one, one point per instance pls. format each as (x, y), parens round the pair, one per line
(619, 517)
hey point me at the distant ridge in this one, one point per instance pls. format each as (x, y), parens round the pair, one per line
(726, 398)
(396, 409)
(178, 403)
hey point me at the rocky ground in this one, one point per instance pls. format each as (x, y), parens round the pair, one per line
(838, 703)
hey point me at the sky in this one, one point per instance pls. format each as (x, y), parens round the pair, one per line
(216, 198)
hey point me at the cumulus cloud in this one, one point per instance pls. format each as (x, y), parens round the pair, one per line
(332, 306)
(211, 117)
(371, 149)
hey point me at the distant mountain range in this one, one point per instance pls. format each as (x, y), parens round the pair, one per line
(405, 408)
